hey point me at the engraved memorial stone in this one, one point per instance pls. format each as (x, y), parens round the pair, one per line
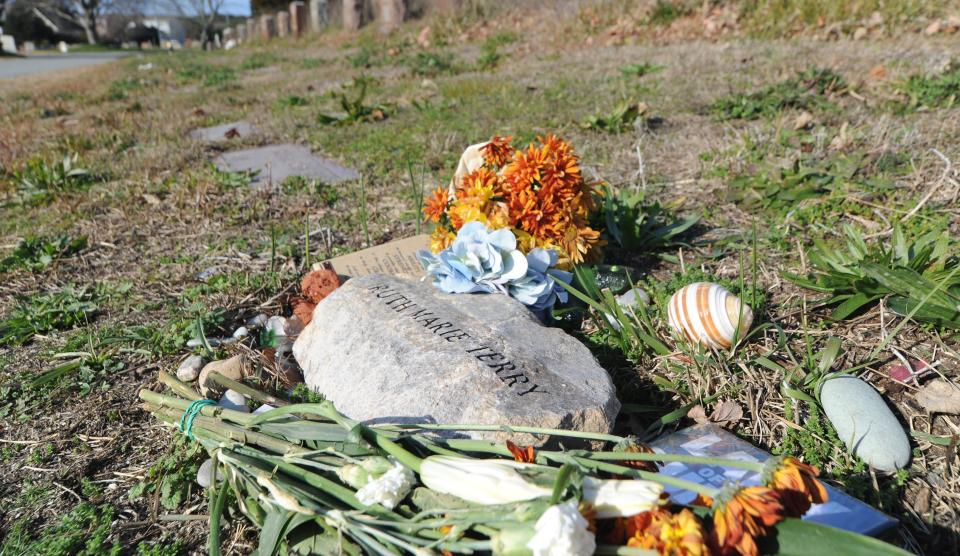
(384, 349)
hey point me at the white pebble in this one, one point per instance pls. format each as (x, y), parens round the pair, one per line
(196, 342)
(189, 370)
(234, 400)
(630, 298)
(277, 325)
(258, 321)
(263, 409)
(241, 332)
(205, 474)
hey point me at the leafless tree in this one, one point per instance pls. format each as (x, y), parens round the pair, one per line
(82, 12)
(205, 11)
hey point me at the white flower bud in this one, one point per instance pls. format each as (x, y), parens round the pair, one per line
(354, 475)
(562, 531)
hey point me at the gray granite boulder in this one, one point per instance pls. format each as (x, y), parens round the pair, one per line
(865, 423)
(385, 349)
(275, 163)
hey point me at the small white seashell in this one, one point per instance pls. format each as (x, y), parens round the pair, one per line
(708, 313)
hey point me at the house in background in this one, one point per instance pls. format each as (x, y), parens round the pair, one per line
(158, 30)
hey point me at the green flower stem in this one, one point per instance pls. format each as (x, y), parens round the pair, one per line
(181, 405)
(222, 431)
(655, 477)
(507, 428)
(179, 387)
(247, 391)
(682, 458)
(493, 448)
(373, 436)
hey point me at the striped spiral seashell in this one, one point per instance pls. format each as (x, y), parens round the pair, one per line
(708, 313)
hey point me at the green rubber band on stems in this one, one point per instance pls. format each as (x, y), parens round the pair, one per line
(190, 413)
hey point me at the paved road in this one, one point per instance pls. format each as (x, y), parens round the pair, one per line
(51, 63)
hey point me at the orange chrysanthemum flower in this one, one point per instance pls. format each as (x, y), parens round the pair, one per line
(670, 534)
(743, 516)
(436, 205)
(580, 242)
(481, 183)
(440, 239)
(796, 484)
(498, 151)
(523, 455)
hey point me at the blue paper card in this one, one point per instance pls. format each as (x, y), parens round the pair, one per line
(707, 440)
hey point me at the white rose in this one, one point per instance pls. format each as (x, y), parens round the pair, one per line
(562, 531)
(387, 489)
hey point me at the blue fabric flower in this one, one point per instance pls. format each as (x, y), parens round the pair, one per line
(480, 260)
(538, 289)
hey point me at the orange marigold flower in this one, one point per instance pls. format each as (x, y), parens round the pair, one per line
(678, 534)
(523, 455)
(797, 485)
(498, 151)
(743, 516)
(436, 205)
(440, 239)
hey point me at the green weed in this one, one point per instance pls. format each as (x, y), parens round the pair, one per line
(623, 118)
(84, 531)
(923, 272)
(39, 179)
(292, 101)
(808, 179)
(805, 91)
(638, 227)
(121, 88)
(41, 313)
(258, 60)
(639, 70)
(936, 91)
(227, 180)
(173, 474)
(666, 12)
(489, 55)
(35, 253)
(431, 64)
(219, 76)
(354, 109)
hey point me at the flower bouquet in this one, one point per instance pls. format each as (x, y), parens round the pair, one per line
(316, 482)
(513, 221)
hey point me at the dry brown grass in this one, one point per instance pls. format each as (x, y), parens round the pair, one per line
(160, 216)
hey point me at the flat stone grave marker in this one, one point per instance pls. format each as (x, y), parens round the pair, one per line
(223, 132)
(384, 349)
(276, 163)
